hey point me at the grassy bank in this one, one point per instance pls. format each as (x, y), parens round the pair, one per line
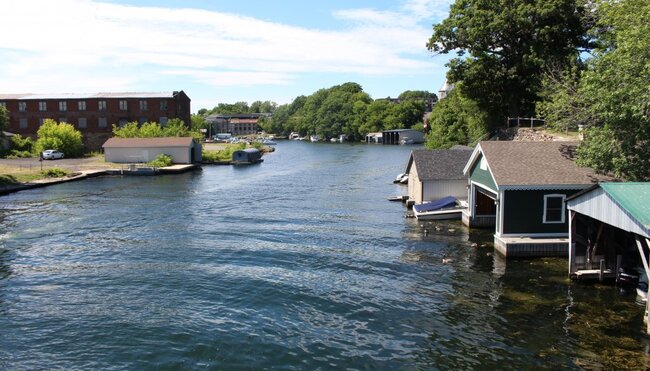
(14, 176)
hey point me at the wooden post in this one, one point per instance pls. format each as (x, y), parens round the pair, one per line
(619, 260)
(602, 270)
(646, 318)
(572, 244)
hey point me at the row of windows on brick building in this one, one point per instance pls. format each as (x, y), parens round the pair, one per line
(81, 105)
(102, 122)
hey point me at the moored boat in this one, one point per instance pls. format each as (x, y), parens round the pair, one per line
(446, 208)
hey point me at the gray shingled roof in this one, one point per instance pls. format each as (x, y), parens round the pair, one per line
(536, 163)
(148, 142)
(439, 164)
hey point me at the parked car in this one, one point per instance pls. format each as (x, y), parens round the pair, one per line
(52, 154)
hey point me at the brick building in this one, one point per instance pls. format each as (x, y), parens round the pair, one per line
(236, 124)
(93, 114)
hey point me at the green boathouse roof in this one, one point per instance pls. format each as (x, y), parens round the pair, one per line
(633, 197)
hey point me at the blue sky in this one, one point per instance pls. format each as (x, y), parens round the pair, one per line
(219, 51)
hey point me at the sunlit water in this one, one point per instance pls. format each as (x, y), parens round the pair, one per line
(296, 263)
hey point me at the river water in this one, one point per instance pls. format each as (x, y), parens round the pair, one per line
(296, 263)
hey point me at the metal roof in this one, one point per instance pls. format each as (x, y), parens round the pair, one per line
(148, 142)
(439, 164)
(633, 197)
(30, 96)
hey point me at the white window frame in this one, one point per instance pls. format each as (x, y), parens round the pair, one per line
(81, 105)
(164, 106)
(144, 105)
(63, 106)
(124, 106)
(101, 105)
(42, 106)
(563, 210)
(22, 106)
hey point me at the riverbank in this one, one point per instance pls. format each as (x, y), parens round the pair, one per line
(91, 173)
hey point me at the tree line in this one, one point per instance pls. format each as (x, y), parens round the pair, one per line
(341, 109)
(575, 63)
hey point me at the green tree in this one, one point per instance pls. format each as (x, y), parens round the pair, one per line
(129, 130)
(199, 122)
(503, 47)
(455, 120)
(4, 119)
(59, 136)
(615, 89)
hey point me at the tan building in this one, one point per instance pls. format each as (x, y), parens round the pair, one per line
(434, 174)
(139, 150)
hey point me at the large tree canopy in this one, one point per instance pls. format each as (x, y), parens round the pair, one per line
(615, 88)
(503, 46)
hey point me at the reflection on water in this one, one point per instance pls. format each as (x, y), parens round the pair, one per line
(299, 262)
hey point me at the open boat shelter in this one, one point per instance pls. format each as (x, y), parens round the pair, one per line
(609, 231)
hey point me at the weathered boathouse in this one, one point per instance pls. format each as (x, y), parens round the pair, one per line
(434, 174)
(520, 189)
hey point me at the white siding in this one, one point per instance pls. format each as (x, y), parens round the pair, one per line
(598, 205)
(434, 190)
(180, 155)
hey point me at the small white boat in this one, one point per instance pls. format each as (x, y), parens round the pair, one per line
(446, 208)
(314, 138)
(334, 140)
(268, 142)
(399, 177)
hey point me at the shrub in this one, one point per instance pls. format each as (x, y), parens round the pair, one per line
(54, 172)
(162, 160)
(18, 154)
(61, 137)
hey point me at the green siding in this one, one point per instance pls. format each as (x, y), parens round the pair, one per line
(482, 176)
(524, 212)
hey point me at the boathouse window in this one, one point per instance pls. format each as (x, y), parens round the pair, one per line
(554, 207)
(82, 105)
(82, 123)
(23, 123)
(22, 106)
(102, 105)
(123, 105)
(143, 105)
(102, 122)
(42, 106)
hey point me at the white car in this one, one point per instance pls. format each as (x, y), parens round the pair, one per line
(51, 154)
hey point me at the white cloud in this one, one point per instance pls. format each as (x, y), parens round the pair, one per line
(86, 45)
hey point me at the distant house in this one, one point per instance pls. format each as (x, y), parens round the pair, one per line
(434, 174)
(445, 89)
(236, 124)
(520, 189)
(402, 136)
(131, 150)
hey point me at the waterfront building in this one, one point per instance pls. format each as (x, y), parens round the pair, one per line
(520, 189)
(236, 124)
(246, 156)
(402, 136)
(434, 174)
(182, 150)
(93, 114)
(609, 234)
